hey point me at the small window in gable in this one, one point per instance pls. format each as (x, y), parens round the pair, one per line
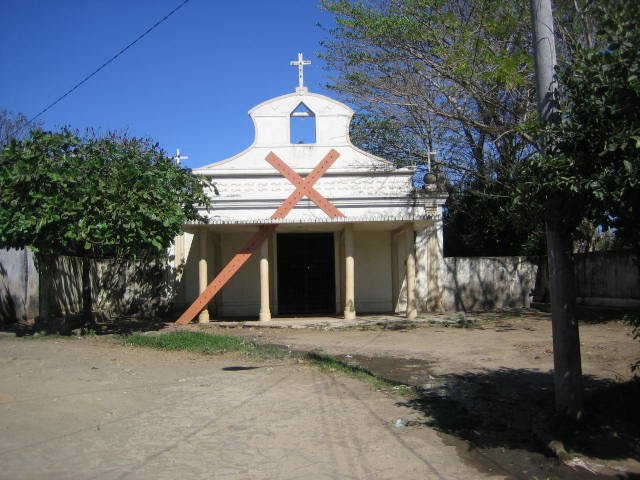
(303, 125)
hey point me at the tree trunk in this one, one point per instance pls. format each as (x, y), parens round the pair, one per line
(566, 338)
(86, 293)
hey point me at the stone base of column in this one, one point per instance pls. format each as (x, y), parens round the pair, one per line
(349, 314)
(204, 316)
(411, 314)
(265, 316)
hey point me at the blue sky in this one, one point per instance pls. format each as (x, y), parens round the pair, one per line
(188, 84)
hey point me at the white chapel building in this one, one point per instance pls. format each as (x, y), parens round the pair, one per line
(346, 232)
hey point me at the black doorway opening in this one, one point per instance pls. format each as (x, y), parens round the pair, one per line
(306, 274)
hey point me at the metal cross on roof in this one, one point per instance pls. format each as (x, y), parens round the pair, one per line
(179, 157)
(300, 64)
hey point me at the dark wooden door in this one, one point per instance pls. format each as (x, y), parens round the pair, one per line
(306, 280)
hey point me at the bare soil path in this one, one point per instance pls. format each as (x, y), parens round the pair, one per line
(93, 409)
(490, 387)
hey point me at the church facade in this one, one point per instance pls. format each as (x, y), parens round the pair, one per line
(345, 232)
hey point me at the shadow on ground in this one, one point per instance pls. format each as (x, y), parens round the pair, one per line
(504, 419)
(515, 409)
(74, 325)
(508, 410)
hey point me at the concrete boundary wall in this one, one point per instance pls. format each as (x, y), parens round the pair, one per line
(608, 279)
(18, 286)
(604, 279)
(484, 283)
(119, 288)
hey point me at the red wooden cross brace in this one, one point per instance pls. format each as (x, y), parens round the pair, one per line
(304, 186)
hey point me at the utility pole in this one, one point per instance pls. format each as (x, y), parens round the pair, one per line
(566, 338)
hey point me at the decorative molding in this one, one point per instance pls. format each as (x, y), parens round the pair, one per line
(313, 220)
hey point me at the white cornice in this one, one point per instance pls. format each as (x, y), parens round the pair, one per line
(314, 220)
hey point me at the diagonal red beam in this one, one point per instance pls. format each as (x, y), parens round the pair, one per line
(229, 270)
(305, 186)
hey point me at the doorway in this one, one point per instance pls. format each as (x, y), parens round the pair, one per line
(306, 274)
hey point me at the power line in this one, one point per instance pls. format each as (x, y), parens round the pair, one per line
(85, 79)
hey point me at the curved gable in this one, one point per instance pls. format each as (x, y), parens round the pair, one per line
(273, 132)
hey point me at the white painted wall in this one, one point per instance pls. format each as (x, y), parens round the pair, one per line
(373, 271)
(241, 296)
(188, 285)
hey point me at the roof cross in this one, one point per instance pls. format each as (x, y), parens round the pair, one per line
(177, 158)
(300, 64)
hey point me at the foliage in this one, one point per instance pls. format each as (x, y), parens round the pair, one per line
(454, 76)
(385, 137)
(99, 197)
(12, 125)
(592, 167)
(479, 221)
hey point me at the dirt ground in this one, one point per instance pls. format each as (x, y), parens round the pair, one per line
(489, 385)
(91, 408)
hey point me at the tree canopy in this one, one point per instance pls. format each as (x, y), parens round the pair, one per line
(592, 167)
(12, 126)
(89, 196)
(454, 76)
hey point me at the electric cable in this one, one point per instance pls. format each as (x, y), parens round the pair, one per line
(85, 79)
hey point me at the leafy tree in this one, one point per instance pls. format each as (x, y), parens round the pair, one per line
(448, 75)
(92, 197)
(479, 221)
(589, 171)
(387, 138)
(12, 125)
(592, 170)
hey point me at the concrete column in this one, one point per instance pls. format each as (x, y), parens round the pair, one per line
(265, 312)
(422, 261)
(203, 275)
(411, 274)
(349, 275)
(399, 270)
(435, 266)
